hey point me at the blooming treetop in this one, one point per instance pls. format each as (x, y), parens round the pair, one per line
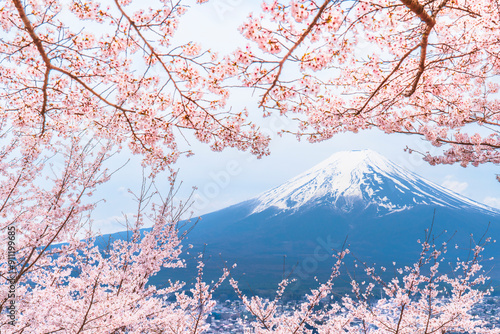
(116, 73)
(427, 68)
(403, 66)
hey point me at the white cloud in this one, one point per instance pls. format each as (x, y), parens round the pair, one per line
(456, 186)
(492, 201)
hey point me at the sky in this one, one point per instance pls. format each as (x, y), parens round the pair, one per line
(228, 177)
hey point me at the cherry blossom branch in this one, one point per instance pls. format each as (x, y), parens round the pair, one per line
(430, 21)
(160, 60)
(31, 31)
(290, 51)
(394, 70)
(419, 10)
(91, 303)
(38, 43)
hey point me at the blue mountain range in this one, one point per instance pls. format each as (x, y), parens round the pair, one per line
(357, 199)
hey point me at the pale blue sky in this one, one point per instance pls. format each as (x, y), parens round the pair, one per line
(229, 177)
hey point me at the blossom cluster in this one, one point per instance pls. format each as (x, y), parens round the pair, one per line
(427, 69)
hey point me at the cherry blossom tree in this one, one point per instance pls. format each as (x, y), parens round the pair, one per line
(126, 83)
(66, 278)
(418, 299)
(82, 81)
(428, 68)
(72, 98)
(424, 68)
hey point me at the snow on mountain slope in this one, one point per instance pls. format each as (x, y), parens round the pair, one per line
(357, 180)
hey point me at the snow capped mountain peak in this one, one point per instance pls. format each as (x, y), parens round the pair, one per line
(360, 180)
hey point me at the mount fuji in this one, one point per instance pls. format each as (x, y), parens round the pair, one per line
(358, 199)
(359, 181)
